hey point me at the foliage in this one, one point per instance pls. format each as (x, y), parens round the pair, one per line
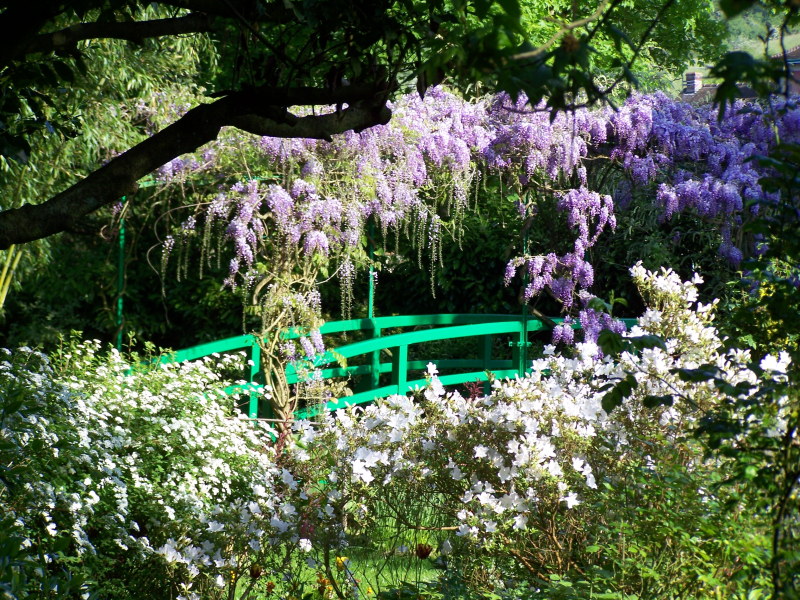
(133, 481)
(683, 32)
(538, 482)
(277, 56)
(756, 424)
(416, 178)
(537, 490)
(447, 167)
(73, 123)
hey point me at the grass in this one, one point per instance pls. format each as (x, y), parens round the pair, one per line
(372, 571)
(381, 557)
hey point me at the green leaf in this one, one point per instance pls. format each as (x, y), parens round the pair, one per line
(63, 71)
(704, 373)
(610, 342)
(512, 8)
(759, 226)
(599, 305)
(619, 393)
(15, 147)
(731, 8)
(655, 401)
(648, 341)
(618, 36)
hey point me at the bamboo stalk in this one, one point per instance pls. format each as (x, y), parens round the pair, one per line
(11, 263)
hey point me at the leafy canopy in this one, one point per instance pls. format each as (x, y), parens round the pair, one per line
(350, 54)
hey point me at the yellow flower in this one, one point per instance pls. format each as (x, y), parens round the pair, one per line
(341, 562)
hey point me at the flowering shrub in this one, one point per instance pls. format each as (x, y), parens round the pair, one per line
(140, 479)
(139, 482)
(542, 479)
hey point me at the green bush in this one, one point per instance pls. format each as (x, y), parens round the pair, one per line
(127, 480)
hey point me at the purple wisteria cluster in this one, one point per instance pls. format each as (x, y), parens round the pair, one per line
(317, 197)
(699, 162)
(544, 154)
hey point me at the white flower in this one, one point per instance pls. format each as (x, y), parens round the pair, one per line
(281, 526)
(446, 548)
(455, 471)
(305, 545)
(431, 369)
(360, 471)
(170, 554)
(288, 479)
(571, 499)
(778, 365)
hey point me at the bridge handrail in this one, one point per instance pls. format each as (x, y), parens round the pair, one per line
(456, 326)
(418, 337)
(245, 341)
(394, 321)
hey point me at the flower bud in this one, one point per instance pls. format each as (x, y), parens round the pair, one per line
(424, 550)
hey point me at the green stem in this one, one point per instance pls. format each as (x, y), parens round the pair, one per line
(11, 263)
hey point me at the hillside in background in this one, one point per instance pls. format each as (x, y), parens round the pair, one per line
(749, 31)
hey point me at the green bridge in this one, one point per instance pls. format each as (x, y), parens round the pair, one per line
(402, 374)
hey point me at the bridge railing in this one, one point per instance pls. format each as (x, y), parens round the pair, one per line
(368, 353)
(396, 346)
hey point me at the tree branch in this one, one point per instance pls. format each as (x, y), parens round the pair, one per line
(261, 111)
(21, 21)
(134, 31)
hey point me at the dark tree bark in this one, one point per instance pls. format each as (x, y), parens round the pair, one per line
(260, 111)
(135, 31)
(20, 22)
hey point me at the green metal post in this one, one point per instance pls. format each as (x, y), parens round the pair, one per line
(486, 356)
(523, 350)
(375, 362)
(255, 368)
(400, 368)
(120, 280)
(371, 253)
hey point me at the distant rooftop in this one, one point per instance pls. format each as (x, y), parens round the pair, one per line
(696, 91)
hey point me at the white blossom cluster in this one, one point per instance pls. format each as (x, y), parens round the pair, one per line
(499, 465)
(150, 461)
(145, 461)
